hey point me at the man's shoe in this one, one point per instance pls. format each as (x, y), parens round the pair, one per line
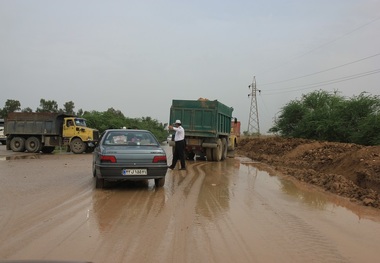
(171, 167)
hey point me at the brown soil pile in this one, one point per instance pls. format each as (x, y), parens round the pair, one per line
(349, 170)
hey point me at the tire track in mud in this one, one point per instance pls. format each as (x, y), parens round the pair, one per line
(213, 212)
(34, 227)
(225, 238)
(6, 215)
(168, 221)
(294, 236)
(116, 211)
(37, 209)
(115, 214)
(270, 225)
(7, 194)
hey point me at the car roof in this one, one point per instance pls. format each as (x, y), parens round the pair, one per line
(130, 130)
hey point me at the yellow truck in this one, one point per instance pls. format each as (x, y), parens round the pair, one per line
(43, 131)
(234, 135)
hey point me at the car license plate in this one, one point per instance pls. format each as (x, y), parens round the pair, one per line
(134, 172)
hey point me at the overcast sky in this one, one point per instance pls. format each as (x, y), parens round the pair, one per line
(137, 56)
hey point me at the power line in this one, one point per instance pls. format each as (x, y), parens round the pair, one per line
(325, 44)
(318, 72)
(324, 83)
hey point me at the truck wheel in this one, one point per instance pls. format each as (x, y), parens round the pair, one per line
(217, 152)
(18, 144)
(224, 148)
(48, 149)
(209, 155)
(160, 182)
(190, 155)
(33, 145)
(77, 146)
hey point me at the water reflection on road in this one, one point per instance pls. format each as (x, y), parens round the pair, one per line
(236, 210)
(294, 191)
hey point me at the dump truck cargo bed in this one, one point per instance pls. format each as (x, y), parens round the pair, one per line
(202, 117)
(207, 127)
(42, 123)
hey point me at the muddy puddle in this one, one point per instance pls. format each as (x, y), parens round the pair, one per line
(19, 157)
(287, 188)
(230, 211)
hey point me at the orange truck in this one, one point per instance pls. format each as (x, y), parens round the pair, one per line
(234, 135)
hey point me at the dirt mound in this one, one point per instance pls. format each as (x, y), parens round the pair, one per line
(349, 170)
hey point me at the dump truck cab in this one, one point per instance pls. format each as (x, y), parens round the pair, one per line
(76, 134)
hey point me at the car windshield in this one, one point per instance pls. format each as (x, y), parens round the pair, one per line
(80, 122)
(129, 138)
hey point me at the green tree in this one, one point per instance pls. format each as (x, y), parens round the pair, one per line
(152, 125)
(290, 119)
(327, 116)
(80, 112)
(47, 106)
(27, 109)
(68, 108)
(115, 119)
(10, 106)
(110, 119)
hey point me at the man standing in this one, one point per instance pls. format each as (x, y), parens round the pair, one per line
(179, 139)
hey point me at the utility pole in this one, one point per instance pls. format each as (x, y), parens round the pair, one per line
(253, 123)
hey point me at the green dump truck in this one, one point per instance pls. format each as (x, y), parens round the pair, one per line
(43, 131)
(207, 127)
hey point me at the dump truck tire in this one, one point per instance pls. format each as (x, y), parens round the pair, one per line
(224, 148)
(209, 155)
(33, 145)
(18, 144)
(218, 151)
(78, 146)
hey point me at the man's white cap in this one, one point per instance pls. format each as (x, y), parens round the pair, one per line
(178, 122)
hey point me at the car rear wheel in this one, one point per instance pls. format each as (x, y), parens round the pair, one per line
(93, 170)
(99, 183)
(160, 182)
